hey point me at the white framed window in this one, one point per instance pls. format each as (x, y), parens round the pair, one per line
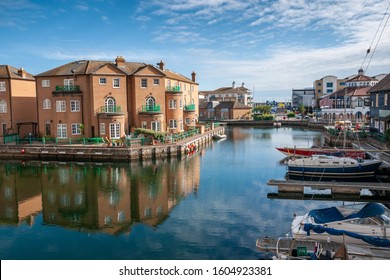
(188, 122)
(61, 130)
(2, 86)
(46, 104)
(102, 81)
(115, 83)
(68, 84)
(144, 83)
(172, 104)
(75, 105)
(60, 106)
(144, 125)
(76, 129)
(156, 82)
(156, 126)
(172, 124)
(3, 106)
(181, 104)
(45, 83)
(102, 128)
(110, 104)
(181, 124)
(115, 129)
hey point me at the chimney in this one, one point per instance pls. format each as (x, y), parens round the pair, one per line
(22, 72)
(120, 61)
(243, 84)
(234, 84)
(361, 72)
(161, 65)
(193, 75)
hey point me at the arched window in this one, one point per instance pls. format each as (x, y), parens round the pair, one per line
(3, 106)
(150, 102)
(110, 105)
(46, 104)
(359, 116)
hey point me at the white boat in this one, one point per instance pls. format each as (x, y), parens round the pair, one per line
(363, 226)
(324, 166)
(219, 136)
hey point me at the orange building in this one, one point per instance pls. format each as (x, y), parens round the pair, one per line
(18, 111)
(106, 99)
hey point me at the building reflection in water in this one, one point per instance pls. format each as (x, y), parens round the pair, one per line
(95, 197)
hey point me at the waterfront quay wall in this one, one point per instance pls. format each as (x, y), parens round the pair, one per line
(96, 153)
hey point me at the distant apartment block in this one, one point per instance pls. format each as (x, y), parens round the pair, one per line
(18, 111)
(326, 85)
(380, 105)
(234, 93)
(303, 97)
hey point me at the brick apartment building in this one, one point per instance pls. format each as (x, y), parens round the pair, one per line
(18, 111)
(110, 99)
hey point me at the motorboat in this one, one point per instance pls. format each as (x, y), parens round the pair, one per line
(324, 166)
(308, 152)
(367, 225)
(219, 136)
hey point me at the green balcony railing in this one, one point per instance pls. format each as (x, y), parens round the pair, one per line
(190, 107)
(150, 108)
(68, 88)
(174, 89)
(110, 109)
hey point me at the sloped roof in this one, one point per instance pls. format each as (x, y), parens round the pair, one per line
(350, 91)
(10, 72)
(232, 105)
(360, 78)
(227, 90)
(85, 67)
(176, 76)
(382, 85)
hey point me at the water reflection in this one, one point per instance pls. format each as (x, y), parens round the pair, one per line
(92, 197)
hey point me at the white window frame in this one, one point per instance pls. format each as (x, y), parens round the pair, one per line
(46, 104)
(60, 106)
(102, 81)
(181, 125)
(144, 124)
(188, 122)
(45, 83)
(173, 124)
(76, 129)
(116, 83)
(69, 84)
(62, 130)
(144, 83)
(3, 106)
(172, 104)
(75, 105)
(2, 86)
(156, 82)
(102, 128)
(181, 104)
(115, 130)
(155, 125)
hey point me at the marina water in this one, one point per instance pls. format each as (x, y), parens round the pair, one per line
(210, 205)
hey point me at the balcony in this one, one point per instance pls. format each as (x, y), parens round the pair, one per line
(151, 109)
(111, 110)
(176, 89)
(190, 107)
(67, 90)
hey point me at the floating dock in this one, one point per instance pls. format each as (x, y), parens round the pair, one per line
(340, 190)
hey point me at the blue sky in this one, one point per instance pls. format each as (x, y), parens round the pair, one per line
(272, 46)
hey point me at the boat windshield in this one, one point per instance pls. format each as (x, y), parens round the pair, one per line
(386, 217)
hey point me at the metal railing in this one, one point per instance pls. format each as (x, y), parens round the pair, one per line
(190, 107)
(72, 88)
(150, 108)
(110, 109)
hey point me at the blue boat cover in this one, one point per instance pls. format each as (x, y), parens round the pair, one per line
(376, 241)
(332, 214)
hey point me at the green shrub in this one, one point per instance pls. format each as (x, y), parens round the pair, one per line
(265, 117)
(291, 115)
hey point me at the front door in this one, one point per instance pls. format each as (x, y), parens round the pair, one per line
(115, 129)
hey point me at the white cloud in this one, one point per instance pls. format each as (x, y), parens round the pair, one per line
(82, 7)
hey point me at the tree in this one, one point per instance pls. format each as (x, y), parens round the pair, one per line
(263, 109)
